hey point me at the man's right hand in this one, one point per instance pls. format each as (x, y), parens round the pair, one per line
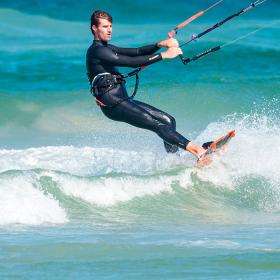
(171, 53)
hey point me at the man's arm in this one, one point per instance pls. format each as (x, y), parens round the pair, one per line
(107, 56)
(145, 50)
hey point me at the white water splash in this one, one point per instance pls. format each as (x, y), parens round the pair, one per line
(22, 203)
(107, 177)
(87, 160)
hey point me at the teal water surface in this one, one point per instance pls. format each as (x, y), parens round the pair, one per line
(84, 197)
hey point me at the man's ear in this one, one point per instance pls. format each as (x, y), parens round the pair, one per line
(94, 28)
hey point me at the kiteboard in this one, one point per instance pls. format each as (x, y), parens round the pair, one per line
(215, 148)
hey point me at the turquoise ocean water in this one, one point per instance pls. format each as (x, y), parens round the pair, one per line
(82, 197)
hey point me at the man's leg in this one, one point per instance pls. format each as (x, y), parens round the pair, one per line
(134, 114)
(164, 118)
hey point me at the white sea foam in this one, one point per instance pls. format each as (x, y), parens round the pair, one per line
(110, 191)
(101, 191)
(22, 203)
(86, 160)
(255, 151)
(209, 243)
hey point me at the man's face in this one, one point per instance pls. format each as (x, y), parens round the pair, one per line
(103, 31)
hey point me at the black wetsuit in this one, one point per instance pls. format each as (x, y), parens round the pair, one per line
(103, 58)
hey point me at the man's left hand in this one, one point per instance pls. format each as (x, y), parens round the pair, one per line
(169, 43)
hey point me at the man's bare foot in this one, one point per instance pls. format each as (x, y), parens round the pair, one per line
(195, 149)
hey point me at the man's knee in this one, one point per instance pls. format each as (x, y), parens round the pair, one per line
(170, 120)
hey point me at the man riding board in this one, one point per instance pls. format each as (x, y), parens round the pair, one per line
(108, 84)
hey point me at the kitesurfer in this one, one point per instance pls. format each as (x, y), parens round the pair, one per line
(108, 84)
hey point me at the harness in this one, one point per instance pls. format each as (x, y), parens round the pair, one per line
(104, 82)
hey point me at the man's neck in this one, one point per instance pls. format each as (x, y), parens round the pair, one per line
(98, 41)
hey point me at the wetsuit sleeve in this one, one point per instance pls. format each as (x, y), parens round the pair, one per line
(107, 55)
(145, 50)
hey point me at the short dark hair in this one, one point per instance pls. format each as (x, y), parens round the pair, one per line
(96, 15)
